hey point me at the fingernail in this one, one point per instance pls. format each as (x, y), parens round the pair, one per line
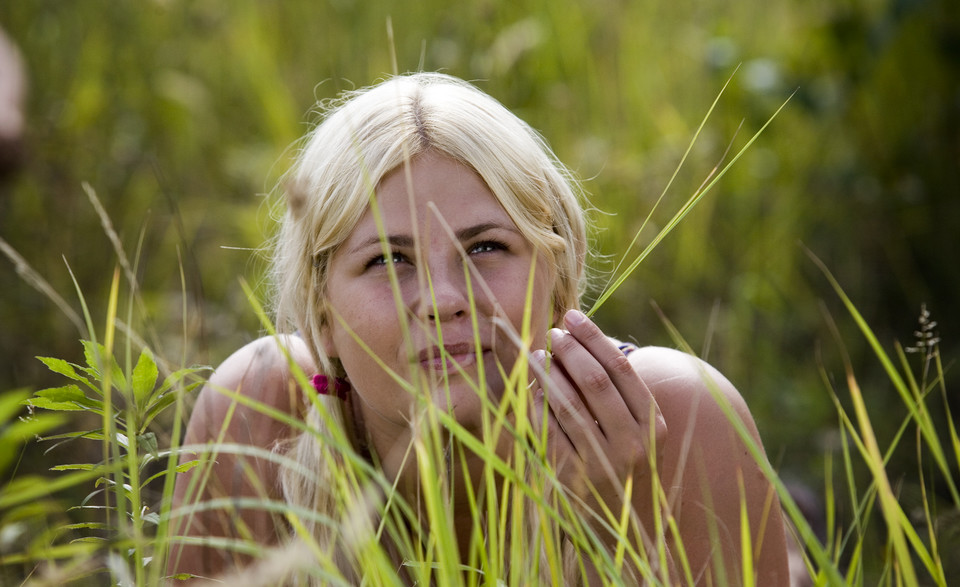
(555, 335)
(574, 318)
(539, 356)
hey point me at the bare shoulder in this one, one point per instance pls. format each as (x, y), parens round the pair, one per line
(261, 371)
(686, 386)
(710, 470)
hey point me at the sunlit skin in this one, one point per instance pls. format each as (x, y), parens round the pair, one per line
(609, 416)
(448, 214)
(597, 434)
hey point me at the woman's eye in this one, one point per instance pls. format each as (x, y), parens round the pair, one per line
(487, 247)
(381, 260)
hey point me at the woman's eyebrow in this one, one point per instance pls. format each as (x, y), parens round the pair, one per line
(406, 241)
(472, 231)
(395, 240)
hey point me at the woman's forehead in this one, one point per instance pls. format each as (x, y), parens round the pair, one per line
(433, 191)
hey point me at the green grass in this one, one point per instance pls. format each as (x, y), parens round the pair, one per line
(174, 113)
(519, 507)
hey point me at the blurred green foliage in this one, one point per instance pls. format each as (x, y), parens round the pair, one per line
(180, 115)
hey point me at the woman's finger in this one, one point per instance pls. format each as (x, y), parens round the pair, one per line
(572, 416)
(559, 448)
(631, 390)
(595, 387)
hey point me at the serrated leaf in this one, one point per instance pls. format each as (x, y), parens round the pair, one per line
(67, 393)
(71, 393)
(144, 377)
(52, 405)
(64, 368)
(97, 357)
(69, 398)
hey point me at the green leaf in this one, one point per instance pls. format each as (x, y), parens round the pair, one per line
(87, 526)
(67, 393)
(184, 467)
(87, 434)
(47, 404)
(10, 403)
(69, 398)
(96, 356)
(160, 403)
(144, 377)
(179, 375)
(164, 396)
(181, 468)
(148, 443)
(89, 539)
(64, 368)
(74, 467)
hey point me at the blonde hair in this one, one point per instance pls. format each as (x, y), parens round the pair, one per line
(369, 133)
(360, 139)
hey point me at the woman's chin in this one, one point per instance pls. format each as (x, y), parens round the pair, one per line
(466, 400)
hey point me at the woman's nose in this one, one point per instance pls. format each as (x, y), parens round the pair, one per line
(445, 293)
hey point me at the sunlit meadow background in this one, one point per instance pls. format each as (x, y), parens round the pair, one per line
(180, 115)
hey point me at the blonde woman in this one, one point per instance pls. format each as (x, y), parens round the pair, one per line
(432, 245)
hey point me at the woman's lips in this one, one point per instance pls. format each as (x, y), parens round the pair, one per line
(463, 355)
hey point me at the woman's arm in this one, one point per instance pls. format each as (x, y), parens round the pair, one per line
(260, 371)
(608, 415)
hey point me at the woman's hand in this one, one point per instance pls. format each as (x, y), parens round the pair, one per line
(603, 424)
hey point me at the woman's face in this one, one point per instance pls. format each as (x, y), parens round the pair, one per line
(433, 292)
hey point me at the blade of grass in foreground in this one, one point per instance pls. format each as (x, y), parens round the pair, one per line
(917, 409)
(899, 528)
(676, 172)
(808, 537)
(689, 205)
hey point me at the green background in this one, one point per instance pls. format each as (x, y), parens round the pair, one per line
(180, 116)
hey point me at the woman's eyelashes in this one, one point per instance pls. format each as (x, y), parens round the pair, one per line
(381, 260)
(487, 246)
(479, 248)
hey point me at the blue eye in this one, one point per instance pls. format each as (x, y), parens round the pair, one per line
(381, 260)
(487, 247)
